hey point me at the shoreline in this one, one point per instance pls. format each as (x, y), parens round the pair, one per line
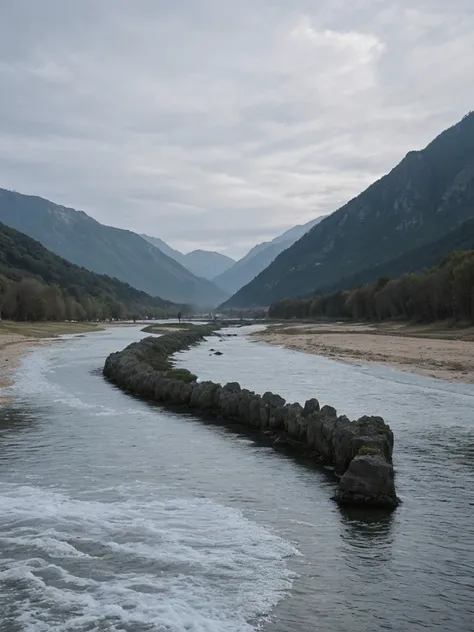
(11, 353)
(18, 339)
(429, 351)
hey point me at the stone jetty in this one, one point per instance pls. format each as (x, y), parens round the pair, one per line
(360, 451)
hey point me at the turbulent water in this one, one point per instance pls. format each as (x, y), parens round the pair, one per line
(118, 515)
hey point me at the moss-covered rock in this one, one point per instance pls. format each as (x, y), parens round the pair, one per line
(181, 374)
(368, 481)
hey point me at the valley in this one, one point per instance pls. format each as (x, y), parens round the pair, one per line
(105, 250)
(237, 316)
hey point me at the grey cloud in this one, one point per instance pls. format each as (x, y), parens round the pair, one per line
(219, 124)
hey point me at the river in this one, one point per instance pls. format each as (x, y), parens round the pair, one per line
(119, 515)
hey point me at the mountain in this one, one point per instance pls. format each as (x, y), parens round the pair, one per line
(260, 257)
(37, 284)
(163, 246)
(442, 292)
(203, 263)
(106, 250)
(416, 260)
(430, 193)
(207, 264)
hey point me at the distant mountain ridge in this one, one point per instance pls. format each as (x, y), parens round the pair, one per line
(207, 263)
(164, 247)
(203, 263)
(429, 194)
(261, 256)
(106, 250)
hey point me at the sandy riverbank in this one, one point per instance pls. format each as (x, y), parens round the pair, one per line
(17, 338)
(433, 351)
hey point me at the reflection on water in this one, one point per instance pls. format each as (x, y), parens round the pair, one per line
(119, 515)
(14, 419)
(365, 534)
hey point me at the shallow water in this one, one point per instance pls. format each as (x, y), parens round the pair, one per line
(119, 515)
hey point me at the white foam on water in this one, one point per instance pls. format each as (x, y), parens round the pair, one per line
(136, 564)
(31, 378)
(33, 381)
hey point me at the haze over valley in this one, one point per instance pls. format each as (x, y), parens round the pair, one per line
(236, 316)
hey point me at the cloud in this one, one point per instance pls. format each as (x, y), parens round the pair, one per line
(217, 124)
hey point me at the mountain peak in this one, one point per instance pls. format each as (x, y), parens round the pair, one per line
(429, 193)
(203, 263)
(261, 256)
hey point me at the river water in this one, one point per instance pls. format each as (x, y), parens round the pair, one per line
(119, 515)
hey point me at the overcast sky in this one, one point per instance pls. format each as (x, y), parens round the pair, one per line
(221, 123)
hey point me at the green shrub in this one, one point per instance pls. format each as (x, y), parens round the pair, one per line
(366, 450)
(181, 374)
(167, 328)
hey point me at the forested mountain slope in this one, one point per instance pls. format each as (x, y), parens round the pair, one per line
(106, 250)
(429, 194)
(416, 260)
(36, 284)
(440, 293)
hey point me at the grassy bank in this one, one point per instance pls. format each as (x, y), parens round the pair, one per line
(45, 329)
(167, 328)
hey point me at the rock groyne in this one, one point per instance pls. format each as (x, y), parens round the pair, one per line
(360, 451)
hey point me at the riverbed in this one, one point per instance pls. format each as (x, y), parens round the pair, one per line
(119, 515)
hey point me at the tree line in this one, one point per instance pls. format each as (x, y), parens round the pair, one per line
(36, 284)
(32, 300)
(443, 292)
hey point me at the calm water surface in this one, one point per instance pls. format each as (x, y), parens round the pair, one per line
(119, 515)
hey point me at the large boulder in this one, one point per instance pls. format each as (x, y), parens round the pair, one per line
(205, 399)
(229, 400)
(369, 480)
(277, 418)
(233, 387)
(311, 406)
(297, 429)
(217, 397)
(174, 392)
(290, 412)
(254, 411)
(161, 384)
(372, 424)
(139, 382)
(272, 401)
(186, 393)
(366, 432)
(269, 404)
(171, 391)
(243, 406)
(320, 431)
(198, 390)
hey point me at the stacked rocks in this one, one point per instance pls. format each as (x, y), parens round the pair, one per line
(360, 451)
